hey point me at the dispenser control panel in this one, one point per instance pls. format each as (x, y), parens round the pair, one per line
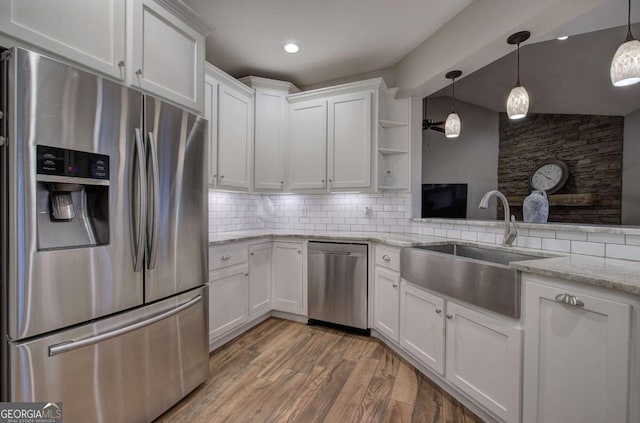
(80, 164)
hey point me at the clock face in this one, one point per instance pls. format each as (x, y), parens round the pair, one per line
(549, 176)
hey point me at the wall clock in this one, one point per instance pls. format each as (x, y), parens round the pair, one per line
(549, 176)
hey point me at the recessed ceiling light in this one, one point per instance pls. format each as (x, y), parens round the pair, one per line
(291, 48)
(564, 37)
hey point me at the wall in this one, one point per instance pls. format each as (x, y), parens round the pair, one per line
(631, 170)
(316, 212)
(591, 146)
(472, 158)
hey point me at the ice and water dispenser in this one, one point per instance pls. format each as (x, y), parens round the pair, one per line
(72, 198)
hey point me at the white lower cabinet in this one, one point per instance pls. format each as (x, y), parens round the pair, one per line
(483, 357)
(422, 326)
(386, 318)
(228, 301)
(259, 279)
(288, 278)
(576, 357)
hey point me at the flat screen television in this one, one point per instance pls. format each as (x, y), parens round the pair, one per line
(444, 200)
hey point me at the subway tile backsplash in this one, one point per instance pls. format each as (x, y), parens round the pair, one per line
(391, 212)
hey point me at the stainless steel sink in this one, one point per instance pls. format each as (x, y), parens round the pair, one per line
(477, 275)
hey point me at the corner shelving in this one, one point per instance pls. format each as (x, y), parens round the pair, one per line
(391, 123)
(393, 159)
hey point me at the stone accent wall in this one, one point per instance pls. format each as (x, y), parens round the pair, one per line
(591, 146)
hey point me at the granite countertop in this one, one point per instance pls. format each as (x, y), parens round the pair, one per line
(620, 275)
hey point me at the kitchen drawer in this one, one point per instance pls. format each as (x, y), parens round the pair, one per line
(223, 256)
(388, 257)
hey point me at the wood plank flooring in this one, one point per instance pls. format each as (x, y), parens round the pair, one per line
(282, 371)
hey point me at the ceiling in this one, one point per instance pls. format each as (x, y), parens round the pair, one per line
(337, 38)
(570, 76)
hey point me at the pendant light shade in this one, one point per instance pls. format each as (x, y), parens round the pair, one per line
(452, 125)
(518, 103)
(518, 100)
(625, 66)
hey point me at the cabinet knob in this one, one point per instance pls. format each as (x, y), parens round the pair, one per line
(252, 253)
(139, 72)
(386, 258)
(221, 176)
(449, 316)
(395, 285)
(299, 252)
(246, 274)
(331, 181)
(121, 63)
(438, 311)
(281, 182)
(225, 257)
(322, 181)
(570, 300)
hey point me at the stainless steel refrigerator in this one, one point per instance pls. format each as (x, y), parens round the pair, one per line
(104, 244)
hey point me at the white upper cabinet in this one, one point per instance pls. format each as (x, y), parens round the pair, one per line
(308, 145)
(349, 140)
(167, 55)
(271, 132)
(235, 136)
(91, 33)
(211, 114)
(576, 357)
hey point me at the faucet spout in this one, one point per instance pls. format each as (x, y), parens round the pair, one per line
(510, 230)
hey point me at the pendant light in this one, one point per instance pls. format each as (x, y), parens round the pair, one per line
(518, 101)
(625, 66)
(453, 125)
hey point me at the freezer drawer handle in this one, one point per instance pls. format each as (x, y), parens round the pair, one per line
(74, 345)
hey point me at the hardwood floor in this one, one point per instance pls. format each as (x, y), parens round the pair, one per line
(285, 371)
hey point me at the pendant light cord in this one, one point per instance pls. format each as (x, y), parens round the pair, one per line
(453, 92)
(518, 80)
(629, 34)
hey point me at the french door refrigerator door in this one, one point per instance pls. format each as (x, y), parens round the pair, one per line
(177, 231)
(134, 365)
(55, 106)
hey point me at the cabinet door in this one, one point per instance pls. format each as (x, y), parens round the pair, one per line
(91, 33)
(167, 55)
(270, 138)
(349, 141)
(308, 145)
(211, 114)
(576, 359)
(228, 302)
(288, 280)
(386, 310)
(483, 360)
(235, 133)
(259, 279)
(422, 326)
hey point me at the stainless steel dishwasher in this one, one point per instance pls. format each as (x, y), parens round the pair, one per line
(338, 284)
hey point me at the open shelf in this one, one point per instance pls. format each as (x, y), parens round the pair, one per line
(391, 123)
(392, 151)
(565, 200)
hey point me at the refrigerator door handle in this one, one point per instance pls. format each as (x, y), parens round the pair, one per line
(74, 345)
(153, 221)
(140, 204)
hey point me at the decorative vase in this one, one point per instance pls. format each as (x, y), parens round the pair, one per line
(535, 207)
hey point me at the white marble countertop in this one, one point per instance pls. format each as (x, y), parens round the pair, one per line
(620, 275)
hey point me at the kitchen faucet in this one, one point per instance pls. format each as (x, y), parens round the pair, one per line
(510, 230)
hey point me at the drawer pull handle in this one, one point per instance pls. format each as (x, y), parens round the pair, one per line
(386, 258)
(438, 311)
(570, 300)
(225, 257)
(449, 316)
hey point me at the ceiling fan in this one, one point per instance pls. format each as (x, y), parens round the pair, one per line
(429, 123)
